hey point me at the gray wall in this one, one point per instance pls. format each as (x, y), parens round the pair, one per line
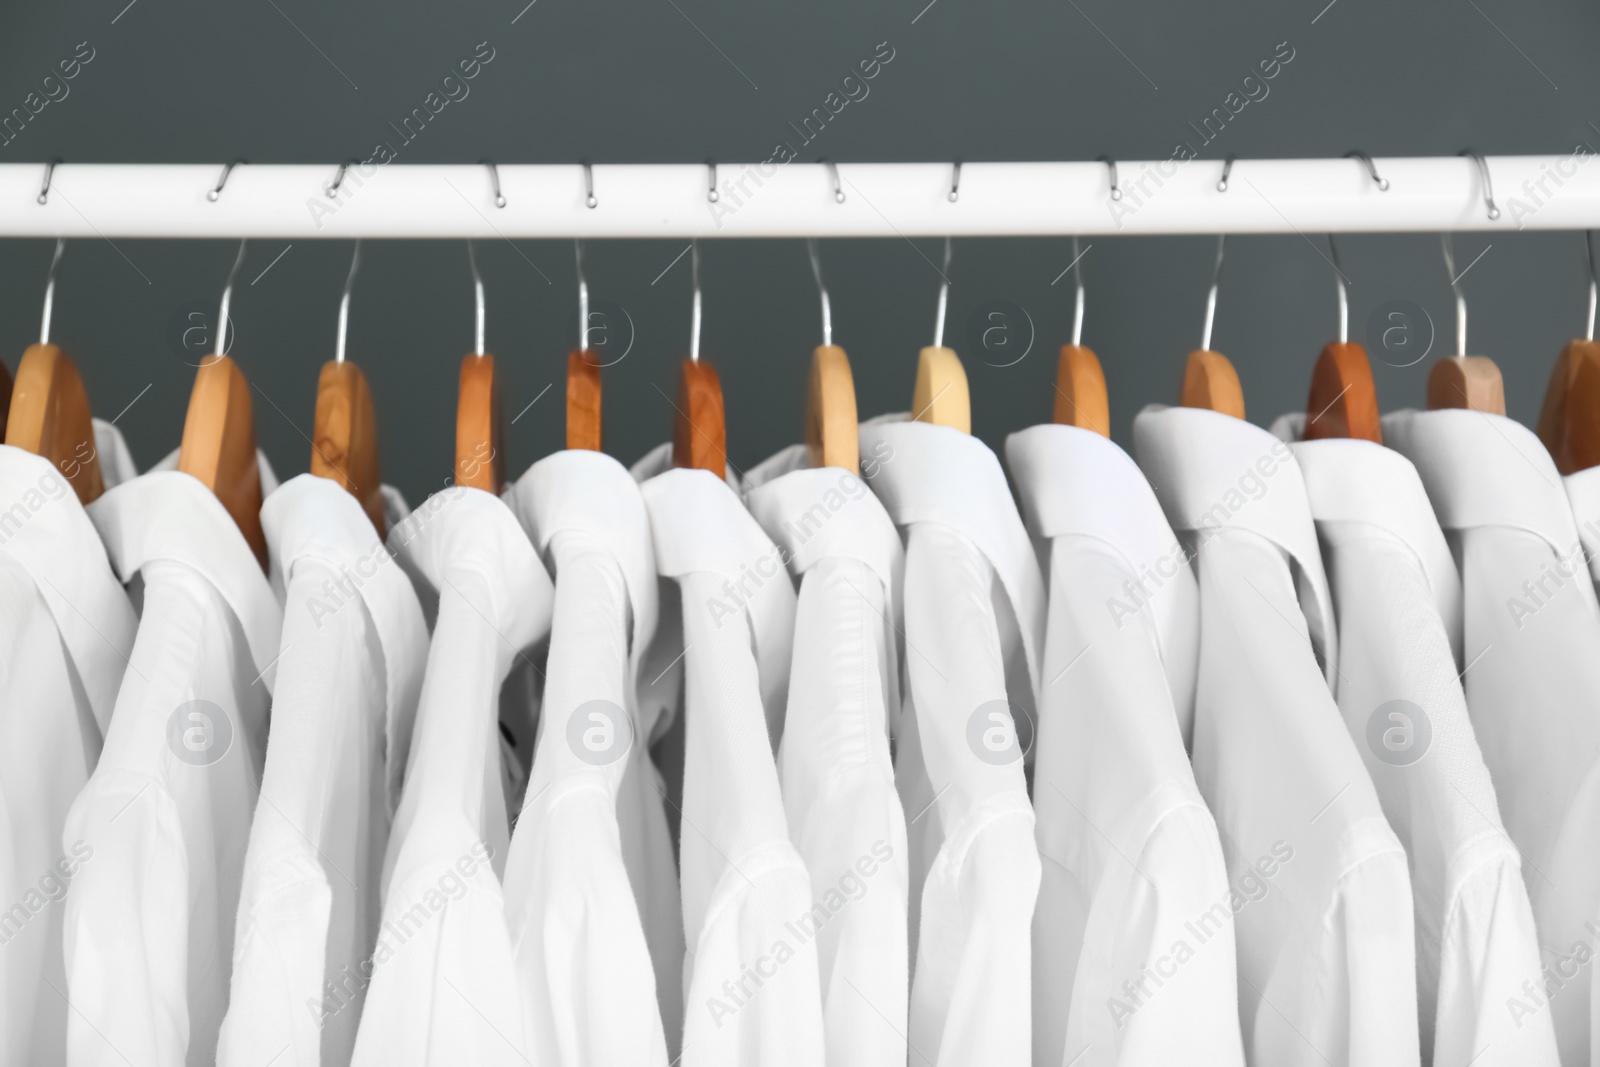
(684, 80)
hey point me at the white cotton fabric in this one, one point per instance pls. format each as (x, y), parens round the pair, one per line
(1394, 584)
(148, 930)
(974, 631)
(444, 988)
(1529, 629)
(1131, 854)
(752, 994)
(834, 763)
(348, 674)
(66, 632)
(578, 943)
(1320, 893)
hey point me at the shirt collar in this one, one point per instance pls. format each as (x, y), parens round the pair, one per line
(817, 513)
(1583, 490)
(1351, 480)
(313, 518)
(1484, 470)
(1212, 471)
(269, 478)
(46, 530)
(591, 493)
(169, 515)
(116, 461)
(659, 459)
(929, 473)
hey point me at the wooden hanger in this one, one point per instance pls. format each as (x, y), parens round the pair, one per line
(1463, 381)
(699, 430)
(219, 438)
(1569, 419)
(480, 449)
(832, 435)
(1344, 399)
(940, 395)
(1209, 380)
(48, 407)
(345, 434)
(583, 376)
(1081, 399)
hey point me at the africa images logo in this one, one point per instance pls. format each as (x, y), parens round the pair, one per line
(199, 732)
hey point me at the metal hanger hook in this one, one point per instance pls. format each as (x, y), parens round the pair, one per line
(494, 180)
(331, 190)
(1381, 183)
(1594, 281)
(1116, 190)
(344, 303)
(1448, 249)
(694, 314)
(223, 319)
(583, 299)
(61, 246)
(477, 299)
(1344, 295)
(838, 188)
(216, 193)
(827, 309)
(712, 196)
(944, 298)
(49, 171)
(1077, 305)
(1211, 296)
(955, 183)
(1483, 176)
(588, 186)
(1227, 169)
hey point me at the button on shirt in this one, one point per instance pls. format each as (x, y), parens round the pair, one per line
(444, 988)
(752, 994)
(148, 932)
(1393, 584)
(1530, 627)
(1320, 894)
(68, 631)
(348, 673)
(974, 611)
(1130, 850)
(838, 778)
(579, 945)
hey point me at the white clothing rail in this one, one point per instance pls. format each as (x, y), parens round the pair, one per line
(1169, 196)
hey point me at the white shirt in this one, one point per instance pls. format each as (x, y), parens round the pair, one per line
(148, 932)
(1393, 584)
(1529, 633)
(348, 674)
(752, 995)
(1319, 891)
(67, 631)
(444, 988)
(1130, 849)
(579, 945)
(974, 610)
(834, 764)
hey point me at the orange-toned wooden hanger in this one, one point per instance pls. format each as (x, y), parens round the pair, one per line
(480, 439)
(1209, 380)
(832, 438)
(1081, 399)
(219, 438)
(583, 376)
(699, 429)
(940, 395)
(48, 407)
(345, 434)
(1569, 419)
(1344, 399)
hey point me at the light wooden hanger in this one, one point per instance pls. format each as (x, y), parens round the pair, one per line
(1463, 381)
(941, 395)
(345, 434)
(1569, 419)
(219, 437)
(480, 450)
(583, 376)
(1343, 400)
(1209, 380)
(832, 438)
(699, 430)
(48, 407)
(1080, 383)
